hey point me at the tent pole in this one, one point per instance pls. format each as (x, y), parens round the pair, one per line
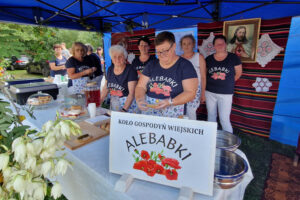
(59, 12)
(71, 14)
(81, 9)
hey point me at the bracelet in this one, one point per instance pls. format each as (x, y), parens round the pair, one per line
(123, 109)
(170, 101)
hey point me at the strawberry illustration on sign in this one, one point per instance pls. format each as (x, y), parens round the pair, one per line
(156, 163)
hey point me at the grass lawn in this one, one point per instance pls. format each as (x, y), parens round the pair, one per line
(22, 74)
(257, 149)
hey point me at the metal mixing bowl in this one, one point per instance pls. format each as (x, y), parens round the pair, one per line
(227, 141)
(230, 169)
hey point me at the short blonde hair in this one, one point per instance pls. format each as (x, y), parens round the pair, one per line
(78, 44)
(118, 48)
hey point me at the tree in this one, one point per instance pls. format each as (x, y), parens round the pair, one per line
(10, 41)
(37, 41)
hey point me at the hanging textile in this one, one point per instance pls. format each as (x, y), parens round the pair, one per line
(252, 110)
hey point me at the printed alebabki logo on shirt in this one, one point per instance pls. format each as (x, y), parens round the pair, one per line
(139, 68)
(168, 80)
(218, 70)
(115, 89)
(160, 88)
(82, 68)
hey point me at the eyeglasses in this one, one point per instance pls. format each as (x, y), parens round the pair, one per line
(164, 53)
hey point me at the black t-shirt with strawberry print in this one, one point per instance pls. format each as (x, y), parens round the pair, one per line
(220, 74)
(138, 65)
(166, 83)
(118, 84)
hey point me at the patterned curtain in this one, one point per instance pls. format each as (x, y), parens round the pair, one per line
(252, 111)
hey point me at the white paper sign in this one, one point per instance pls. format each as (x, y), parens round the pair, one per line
(169, 151)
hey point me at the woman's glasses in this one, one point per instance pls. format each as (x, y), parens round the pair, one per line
(164, 53)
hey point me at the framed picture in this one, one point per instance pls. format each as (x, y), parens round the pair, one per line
(242, 38)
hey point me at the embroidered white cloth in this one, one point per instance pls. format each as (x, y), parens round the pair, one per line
(266, 50)
(130, 57)
(207, 47)
(262, 84)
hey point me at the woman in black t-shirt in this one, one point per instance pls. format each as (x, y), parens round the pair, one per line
(141, 61)
(80, 67)
(121, 81)
(223, 69)
(168, 83)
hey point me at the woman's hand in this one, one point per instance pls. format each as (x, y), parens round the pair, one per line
(163, 104)
(202, 98)
(90, 70)
(142, 104)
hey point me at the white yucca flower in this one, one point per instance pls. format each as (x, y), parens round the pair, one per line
(45, 168)
(48, 142)
(75, 128)
(37, 145)
(60, 142)
(20, 152)
(65, 129)
(37, 170)
(7, 173)
(16, 142)
(56, 190)
(30, 148)
(4, 159)
(9, 186)
(47, 126)
(19, 184)
(30, 162)
(29, 188)
(38, 193)
(73, 124)
(48, 153)
(56, 129)
(61, 166)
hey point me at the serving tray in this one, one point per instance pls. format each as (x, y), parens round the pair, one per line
(94, 133)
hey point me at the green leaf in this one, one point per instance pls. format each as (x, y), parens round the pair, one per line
(4, 133)
(4, 126)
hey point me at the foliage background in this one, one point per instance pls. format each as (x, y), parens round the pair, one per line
(37, 41)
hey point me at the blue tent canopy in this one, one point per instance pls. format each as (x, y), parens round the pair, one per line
(124, 15)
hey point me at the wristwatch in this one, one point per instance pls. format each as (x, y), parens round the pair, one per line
(170, 101)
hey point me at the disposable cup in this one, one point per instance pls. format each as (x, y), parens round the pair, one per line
(92, 109)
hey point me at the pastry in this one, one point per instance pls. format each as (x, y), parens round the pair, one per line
(76, 107)
(152, 105)
(33, 101)
(74, 112)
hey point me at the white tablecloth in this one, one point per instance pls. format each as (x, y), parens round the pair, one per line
(90, 178)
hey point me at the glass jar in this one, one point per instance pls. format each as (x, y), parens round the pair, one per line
(73, 107)
(115, 104)
(92, 93)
